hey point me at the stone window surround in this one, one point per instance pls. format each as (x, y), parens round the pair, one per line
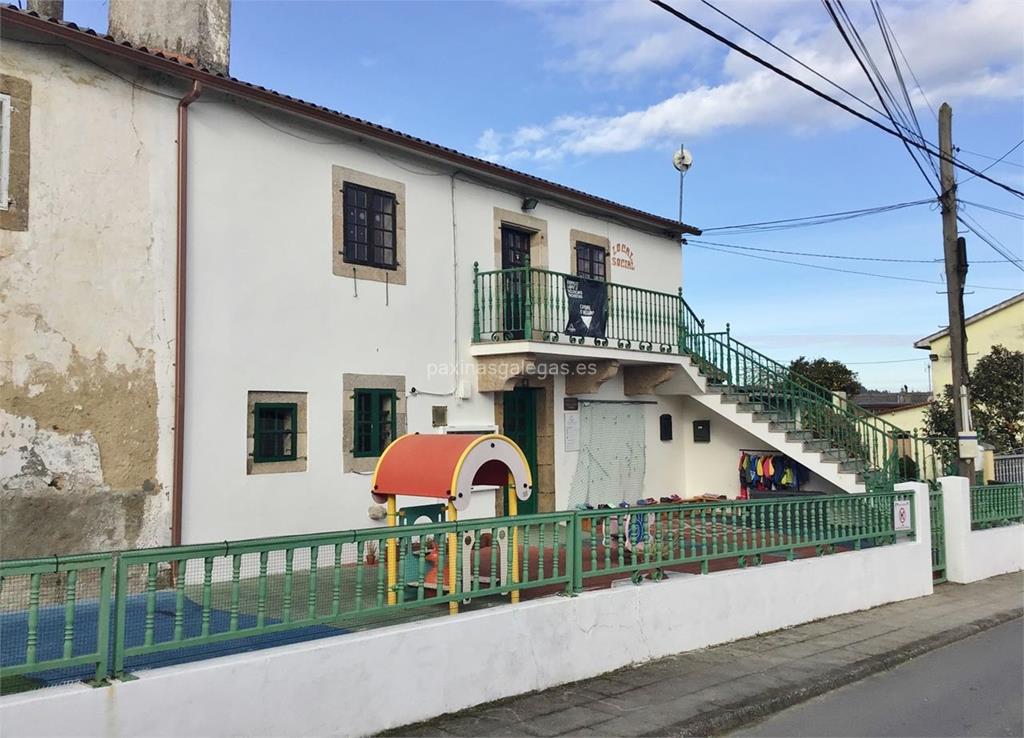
(298, 464)
(350, 383)
(576, 236)
(339, 176)
(538, 228)
(15, 216)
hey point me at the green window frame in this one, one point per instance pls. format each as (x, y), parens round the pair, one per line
(275, 435)
(374, 421)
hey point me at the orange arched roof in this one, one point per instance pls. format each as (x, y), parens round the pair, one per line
(444, 466)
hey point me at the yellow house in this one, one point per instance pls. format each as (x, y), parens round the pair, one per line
(1000, 324)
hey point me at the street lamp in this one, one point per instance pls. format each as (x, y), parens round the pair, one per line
(682, 160)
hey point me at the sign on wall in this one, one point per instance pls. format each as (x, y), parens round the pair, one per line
(901, 515)
(587, 299)
(623, 257)
(572, 430)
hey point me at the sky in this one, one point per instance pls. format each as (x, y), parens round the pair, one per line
(598, 95)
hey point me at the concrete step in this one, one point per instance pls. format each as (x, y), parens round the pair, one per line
(853, 466)
(815, 444)
(799, 435)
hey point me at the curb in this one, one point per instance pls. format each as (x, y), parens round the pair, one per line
(738, 714)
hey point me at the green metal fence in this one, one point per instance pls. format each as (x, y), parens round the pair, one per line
(177, 604)
(56, 617)
(938, 535)
(638, 540)
(995, 505)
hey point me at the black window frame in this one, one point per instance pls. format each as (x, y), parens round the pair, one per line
(353, 245)
(367, 422)
(259, 432)
(585, 253)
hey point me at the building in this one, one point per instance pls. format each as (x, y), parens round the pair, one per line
(1001, 324)
(222, 302)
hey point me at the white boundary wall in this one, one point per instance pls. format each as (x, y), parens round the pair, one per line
(976, 554)
(365, 682)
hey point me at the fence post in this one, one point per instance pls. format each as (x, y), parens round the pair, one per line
(120, 612)
(577, 553)
(103, 622)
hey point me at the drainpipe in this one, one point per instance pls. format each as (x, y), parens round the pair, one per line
(179, 315)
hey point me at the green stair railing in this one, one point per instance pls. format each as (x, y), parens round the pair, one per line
(862, 442)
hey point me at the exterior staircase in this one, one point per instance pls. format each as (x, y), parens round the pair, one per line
(847, 445)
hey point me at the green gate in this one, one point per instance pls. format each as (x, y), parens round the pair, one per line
(938, 536)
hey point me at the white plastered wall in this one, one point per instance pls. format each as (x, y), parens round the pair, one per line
(267, 312)
(976, 554)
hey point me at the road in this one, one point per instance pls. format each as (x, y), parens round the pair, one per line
(971, 688)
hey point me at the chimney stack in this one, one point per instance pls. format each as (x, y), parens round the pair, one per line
(196, 31)
(47, 8)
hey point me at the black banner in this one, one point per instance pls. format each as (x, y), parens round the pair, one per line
(588, 302)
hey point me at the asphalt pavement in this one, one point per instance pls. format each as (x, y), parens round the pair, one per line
(971, 688)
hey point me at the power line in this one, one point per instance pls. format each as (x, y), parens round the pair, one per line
(848, 271)
(810, 220)
(997, 161)
(819, 255)
(786, 75)
(887, 361)
(976, 228)
(1009, 213)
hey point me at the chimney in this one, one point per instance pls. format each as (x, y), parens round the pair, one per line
(47, 8)
(196, 31)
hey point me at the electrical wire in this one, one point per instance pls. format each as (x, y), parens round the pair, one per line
(997, 161)
(976, 228)
(814, 91)
(811, 220)
(848, 271)
(819, 255)
(1009, 213)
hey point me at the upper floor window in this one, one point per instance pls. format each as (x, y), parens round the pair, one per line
(369, 226)
(590, 261)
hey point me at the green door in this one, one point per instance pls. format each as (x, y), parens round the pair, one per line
(520, 407)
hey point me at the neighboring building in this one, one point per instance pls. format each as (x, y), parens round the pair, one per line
(333, 302)
(1001, 324)
(881, 402)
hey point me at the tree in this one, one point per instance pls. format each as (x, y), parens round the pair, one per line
(997, 401)
(833, 375)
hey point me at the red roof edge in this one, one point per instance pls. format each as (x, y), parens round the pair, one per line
(157, 61)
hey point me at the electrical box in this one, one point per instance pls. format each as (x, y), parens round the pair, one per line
(702, 431)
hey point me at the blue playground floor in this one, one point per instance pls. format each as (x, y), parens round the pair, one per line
(50, 632)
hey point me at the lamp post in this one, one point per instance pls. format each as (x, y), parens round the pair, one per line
(682, 160)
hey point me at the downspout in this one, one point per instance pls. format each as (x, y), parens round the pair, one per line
(179, 314)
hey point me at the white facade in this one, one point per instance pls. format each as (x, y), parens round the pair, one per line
(972, 555)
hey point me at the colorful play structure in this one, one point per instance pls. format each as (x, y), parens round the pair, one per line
(448, 467)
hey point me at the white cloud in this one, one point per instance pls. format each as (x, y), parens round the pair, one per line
(959, 49)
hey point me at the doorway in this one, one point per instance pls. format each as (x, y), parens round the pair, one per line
(515, 254)
(520, 424)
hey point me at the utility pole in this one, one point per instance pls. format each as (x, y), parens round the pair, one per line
(955, 252)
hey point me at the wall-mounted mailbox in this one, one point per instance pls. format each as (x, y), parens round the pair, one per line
(702, 431)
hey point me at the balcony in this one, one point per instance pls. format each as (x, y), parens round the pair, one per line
(536, 314)
(537, 305)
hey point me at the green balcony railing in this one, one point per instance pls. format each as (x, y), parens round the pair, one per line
(995, 505)
(533, 304)
(74, 618)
